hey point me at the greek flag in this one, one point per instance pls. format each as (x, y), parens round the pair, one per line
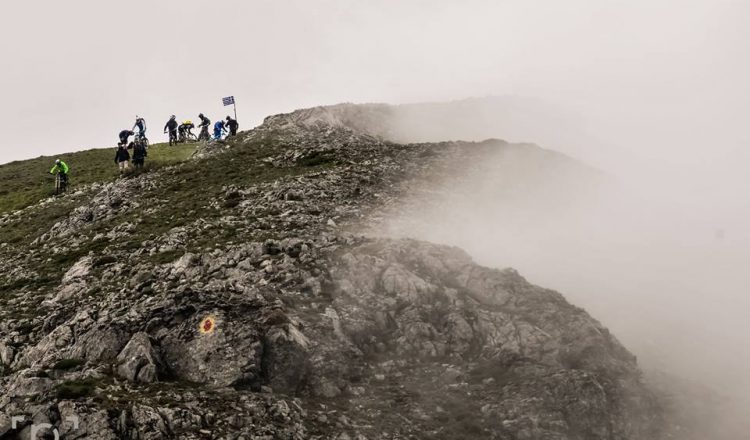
(229, 100)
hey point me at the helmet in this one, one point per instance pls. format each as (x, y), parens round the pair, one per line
(57, 161)
(173, 117)
(200, 115)
(228, 118)
(188, 122)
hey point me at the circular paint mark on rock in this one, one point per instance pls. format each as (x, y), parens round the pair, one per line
(207, 325)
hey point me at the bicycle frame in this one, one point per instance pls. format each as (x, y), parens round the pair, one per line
(61, 183)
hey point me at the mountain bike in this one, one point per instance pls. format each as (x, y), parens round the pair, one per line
(142, 139)
(187, 136)
(61, 183)
(172, 137)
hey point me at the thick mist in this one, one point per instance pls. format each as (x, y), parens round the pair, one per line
(662, 266)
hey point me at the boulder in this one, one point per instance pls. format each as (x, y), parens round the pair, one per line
(139, 361)
(79, 270)
(286, 358)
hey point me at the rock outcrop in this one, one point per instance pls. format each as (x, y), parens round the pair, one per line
(232, 296)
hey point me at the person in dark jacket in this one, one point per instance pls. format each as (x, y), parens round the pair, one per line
(204, 126)
(122, 157)
(124, 135)
(171, 126)
(139, 154)
(233, 125)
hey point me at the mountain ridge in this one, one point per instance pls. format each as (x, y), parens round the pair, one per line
(314, 330)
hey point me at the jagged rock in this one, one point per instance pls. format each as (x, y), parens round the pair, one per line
(68, 291)
(76, 421)
(272, 247)
(285, 358)
(141, 280)
(228, 355)
(79, 338)
(6, 354)
(139, 361)
(187, 266)
(148, 423)
(5, 424)
(80, 269)
(26, 383)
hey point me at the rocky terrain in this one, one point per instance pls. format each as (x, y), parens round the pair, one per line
(235, 296)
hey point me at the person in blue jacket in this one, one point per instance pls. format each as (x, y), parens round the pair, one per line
(219, 129)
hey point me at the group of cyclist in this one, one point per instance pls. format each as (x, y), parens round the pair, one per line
(181, 132)
(139, 146)
(178, 132)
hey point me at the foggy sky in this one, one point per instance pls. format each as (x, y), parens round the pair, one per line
(650, 77)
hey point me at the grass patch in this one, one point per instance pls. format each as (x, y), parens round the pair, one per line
(316, 158)
(68, 364)
(21, 230)
(26, 182)
(166, 257)
(104, 260)
(76, 389)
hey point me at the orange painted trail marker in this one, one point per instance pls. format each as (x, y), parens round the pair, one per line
(207, 325)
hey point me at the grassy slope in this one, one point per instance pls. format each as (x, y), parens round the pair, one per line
(186, 193)
(26, 182)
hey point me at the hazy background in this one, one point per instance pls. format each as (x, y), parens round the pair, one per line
(665, 271)
(656, 93)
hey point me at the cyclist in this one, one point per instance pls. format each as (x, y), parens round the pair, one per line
(233, 125)
(171, 125)
(185, 129)
(124, 135)
(219, 129)
(140, 123)
(62, 169)
(204, 125)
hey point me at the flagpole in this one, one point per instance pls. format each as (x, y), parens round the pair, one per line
(226, 102)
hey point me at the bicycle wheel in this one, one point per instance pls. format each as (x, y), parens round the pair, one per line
(192, 138)
(58, 184)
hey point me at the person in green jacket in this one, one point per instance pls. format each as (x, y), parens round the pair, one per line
(62, 169)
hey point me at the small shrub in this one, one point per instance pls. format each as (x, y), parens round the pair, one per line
(166, 257)
(76, 389)
(104, 260)
(315, 158)
(68, 364)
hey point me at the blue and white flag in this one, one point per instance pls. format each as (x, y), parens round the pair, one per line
(229, 100)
